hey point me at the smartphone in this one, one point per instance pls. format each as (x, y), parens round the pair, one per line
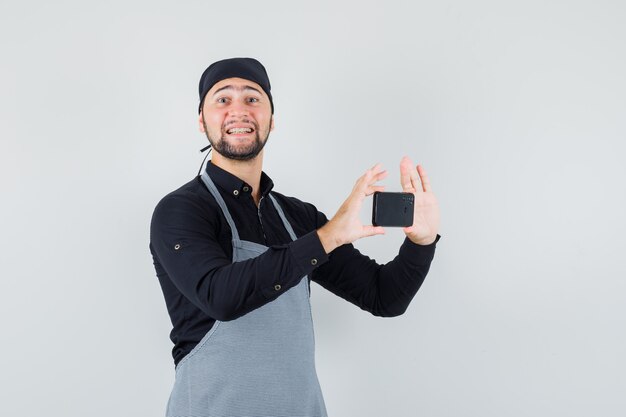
(392, 209)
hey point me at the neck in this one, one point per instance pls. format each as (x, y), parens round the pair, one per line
(249, 171)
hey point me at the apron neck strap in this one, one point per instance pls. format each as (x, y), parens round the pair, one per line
(220, 201)
(283, 217)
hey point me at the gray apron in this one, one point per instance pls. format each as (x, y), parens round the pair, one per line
(259, 365)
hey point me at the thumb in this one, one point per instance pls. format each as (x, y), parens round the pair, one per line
(373, 230)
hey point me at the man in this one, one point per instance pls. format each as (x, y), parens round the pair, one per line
(235, 258)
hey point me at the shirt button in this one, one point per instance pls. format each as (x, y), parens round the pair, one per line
(246, 189)
(236, 192)
(277, 287)
(177, 246)
(313, 261)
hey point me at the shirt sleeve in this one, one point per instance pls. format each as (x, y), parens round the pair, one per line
(383, 290)
(184, 240)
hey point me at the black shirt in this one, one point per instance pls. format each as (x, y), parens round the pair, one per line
(190, 242)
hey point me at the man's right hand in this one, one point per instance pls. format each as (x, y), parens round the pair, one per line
(345, 226)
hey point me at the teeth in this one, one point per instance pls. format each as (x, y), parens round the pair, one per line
(240, 130)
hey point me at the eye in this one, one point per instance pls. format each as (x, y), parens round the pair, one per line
(222, 100)
(253, 99)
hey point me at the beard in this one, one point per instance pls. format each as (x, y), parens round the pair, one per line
(232, 150)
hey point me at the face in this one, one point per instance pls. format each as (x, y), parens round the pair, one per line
(237, 118)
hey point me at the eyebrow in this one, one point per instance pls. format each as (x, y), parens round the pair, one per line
(239, 88)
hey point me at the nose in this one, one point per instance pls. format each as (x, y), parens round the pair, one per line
(238, 108)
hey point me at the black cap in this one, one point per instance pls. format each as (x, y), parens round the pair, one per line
(246, 68)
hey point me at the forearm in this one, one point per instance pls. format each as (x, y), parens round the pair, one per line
(383, 290)
(327, 239)
(225, 290)
(400, 279)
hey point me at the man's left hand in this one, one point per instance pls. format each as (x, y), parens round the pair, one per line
(426, 216)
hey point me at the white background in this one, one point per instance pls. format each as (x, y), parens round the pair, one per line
(516, 109)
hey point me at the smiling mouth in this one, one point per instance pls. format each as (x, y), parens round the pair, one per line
(240, 131)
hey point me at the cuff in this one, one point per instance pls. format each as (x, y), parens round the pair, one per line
(418, 254)
(308, 252)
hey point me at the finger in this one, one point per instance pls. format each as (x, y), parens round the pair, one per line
(415, 181)
(405, 174)
(374, 170)
(424, 178)
(382, 174)
(377, 167)
(364, 186)
(373, 188)
(370, 176)
(378, 177)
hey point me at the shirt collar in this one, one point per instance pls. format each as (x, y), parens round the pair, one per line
(233, 185)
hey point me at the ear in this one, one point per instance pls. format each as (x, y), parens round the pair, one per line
(200, 124)
(272, 123)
